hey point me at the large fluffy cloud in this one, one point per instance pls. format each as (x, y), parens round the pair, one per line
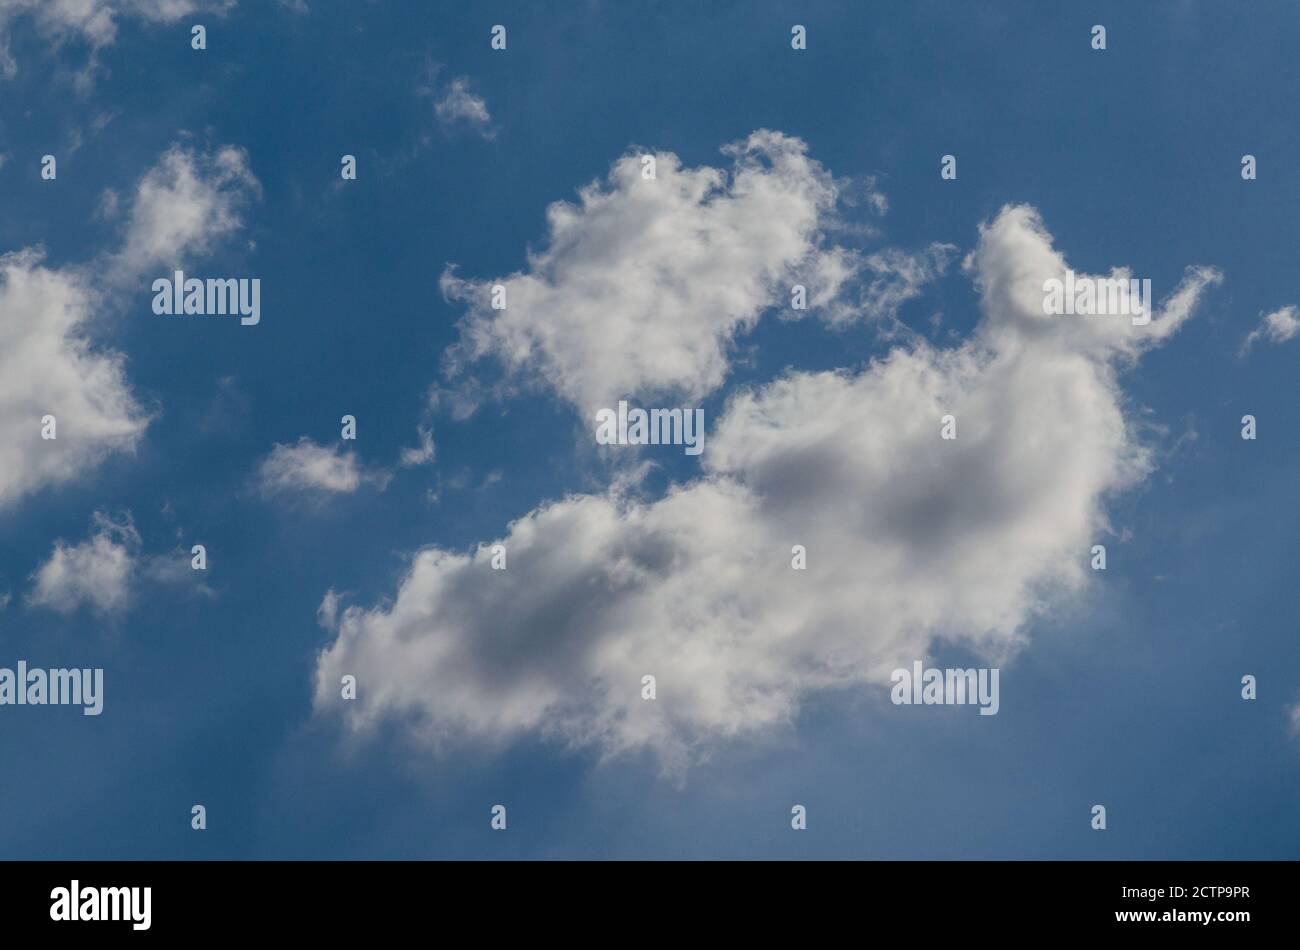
(642, 286)
(909, 538)
(48, 362)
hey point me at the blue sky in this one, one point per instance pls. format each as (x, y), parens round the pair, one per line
(1121, 688)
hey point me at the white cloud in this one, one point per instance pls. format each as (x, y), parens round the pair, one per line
(1015, 249)
(48, 364)
(183, 206)
(642, 286)
(105, 569)
(910, 538)
(308, 466)
(1276, 327)
(99, 571)
(92, 22)
(456, 103)
(49, 367)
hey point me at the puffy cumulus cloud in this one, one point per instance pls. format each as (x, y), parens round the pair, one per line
(49, 367)
(99, 571)
(311, 467)
(48, 363)
(642, 285)
(183, 206)
(92, 22)
(909, 538)
(1276, 327)
(105, 569)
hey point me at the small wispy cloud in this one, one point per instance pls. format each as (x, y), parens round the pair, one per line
(311, 467)
(92, 22)
(420, 455)
(1276, 327)
(456, 104)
